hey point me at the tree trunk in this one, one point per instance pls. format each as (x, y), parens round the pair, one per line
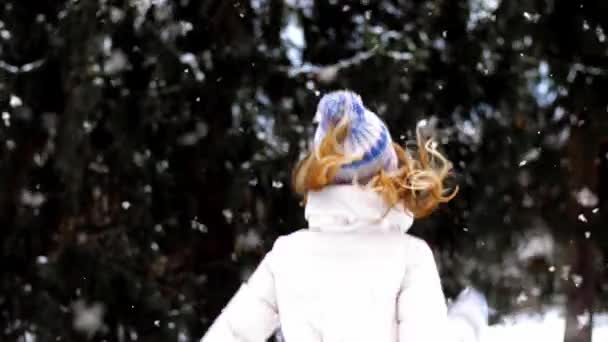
(580, 292)
(580, 284)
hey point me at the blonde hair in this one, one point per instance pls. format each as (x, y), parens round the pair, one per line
(418, 183)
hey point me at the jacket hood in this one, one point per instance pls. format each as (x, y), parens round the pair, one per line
(348, 208)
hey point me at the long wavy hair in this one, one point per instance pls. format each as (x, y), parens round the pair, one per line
(418, 183)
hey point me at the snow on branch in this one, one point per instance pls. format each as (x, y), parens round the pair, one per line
(327, 73)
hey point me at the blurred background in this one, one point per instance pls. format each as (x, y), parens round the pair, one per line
(146, 147)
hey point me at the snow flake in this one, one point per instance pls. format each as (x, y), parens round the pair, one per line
(15, 101)
(116, 14)
(116, 63)
(32, 199)
(532, 17)
(182, 337)
(196, 225)
(586, 197)
(88, 319)
(227, 215)
(581, 217)
(29, 336)
(522, 298)
(599, 32)
(5, 34)
(87, 126)
(537, 244)
(249, 241)
(577, 279)
(10, 145)
(530, 156)
(190, 60)
(192, 137)
(42, 260)
(162, 165)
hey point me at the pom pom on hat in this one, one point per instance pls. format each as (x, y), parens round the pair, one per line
(367, 136)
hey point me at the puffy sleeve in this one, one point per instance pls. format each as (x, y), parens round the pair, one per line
(421, 308)
(251, 315)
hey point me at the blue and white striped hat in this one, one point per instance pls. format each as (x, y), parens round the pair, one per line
(367, 136)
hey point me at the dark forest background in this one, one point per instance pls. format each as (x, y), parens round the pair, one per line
(146, 146)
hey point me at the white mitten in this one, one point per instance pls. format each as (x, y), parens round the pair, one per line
(469, 314)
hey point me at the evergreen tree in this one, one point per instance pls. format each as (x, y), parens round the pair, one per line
(147, 144)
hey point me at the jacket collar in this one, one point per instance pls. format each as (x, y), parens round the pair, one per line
(347, 208)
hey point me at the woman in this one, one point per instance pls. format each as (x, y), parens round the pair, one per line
(354, 275)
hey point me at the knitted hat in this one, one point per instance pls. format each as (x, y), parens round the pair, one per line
(367, 136)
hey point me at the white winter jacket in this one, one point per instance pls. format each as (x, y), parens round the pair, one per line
(353, 275)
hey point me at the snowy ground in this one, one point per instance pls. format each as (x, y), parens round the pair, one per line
(547, 328)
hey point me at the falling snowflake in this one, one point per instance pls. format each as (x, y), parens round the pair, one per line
(577, 280)
(248, 241)
(586, 197)
(227, 215)
(32, 199)
(531, 17)
(582, 218)
(522, 298)
(196, 225)
(88, 319)
(15, 101)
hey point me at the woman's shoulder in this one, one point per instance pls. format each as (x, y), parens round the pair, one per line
(289, 240)
(411, 244)
(417, 249)
(415, 242)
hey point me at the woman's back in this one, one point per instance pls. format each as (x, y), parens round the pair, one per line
(332, 286)
(353, 275)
